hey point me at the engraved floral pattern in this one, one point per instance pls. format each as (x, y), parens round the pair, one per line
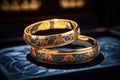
(47, 57)
(68, 58)
(88, 56)
(59, 39)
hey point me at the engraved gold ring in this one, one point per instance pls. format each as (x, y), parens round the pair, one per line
(51, 40)
(86, 49)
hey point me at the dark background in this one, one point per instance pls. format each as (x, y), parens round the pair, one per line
(100, 14)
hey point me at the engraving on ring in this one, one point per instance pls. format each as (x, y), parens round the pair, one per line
(88, 56)
(50, 40)
(68, 58)
(44, 57)
(68, 37)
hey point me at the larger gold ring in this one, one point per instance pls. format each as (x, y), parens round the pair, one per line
(88, 50)
(51, 40)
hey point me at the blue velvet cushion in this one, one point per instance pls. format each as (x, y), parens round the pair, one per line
(16, 63)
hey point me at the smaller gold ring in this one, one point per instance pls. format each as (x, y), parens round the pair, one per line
(90, 50)
(51, 40)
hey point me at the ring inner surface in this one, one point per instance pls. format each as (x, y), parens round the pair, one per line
(78, 44)
(51, 27)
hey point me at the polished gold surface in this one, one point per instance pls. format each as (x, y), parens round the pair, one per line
(52, 40)
(73, 56)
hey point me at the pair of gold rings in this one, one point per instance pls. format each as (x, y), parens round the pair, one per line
(58, 41)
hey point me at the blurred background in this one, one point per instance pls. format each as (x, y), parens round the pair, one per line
(91, 16)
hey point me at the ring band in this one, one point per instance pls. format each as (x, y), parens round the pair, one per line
(51, 40)
(88, 52)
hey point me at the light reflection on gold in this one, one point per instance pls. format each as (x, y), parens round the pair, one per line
(44, 26)
(80, 37)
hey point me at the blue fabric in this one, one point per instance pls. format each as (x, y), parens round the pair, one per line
(16, 63)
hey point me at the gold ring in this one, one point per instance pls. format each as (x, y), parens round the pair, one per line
(87, 50)
(51, 40)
